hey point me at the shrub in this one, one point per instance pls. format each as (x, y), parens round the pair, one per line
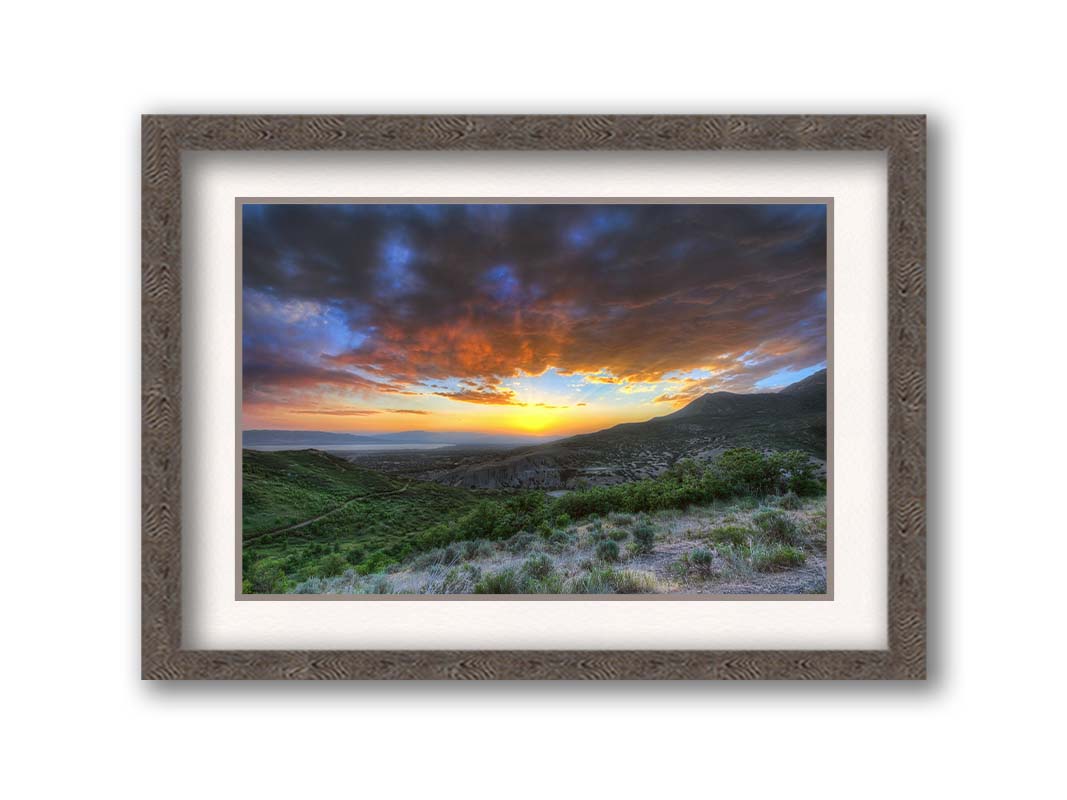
(605, 580)
(479, 548)
(487, 520)
(503, 582)
(428, 559)
(377, 584)
(559, 540)
(644, 537)
(776, 558)
(332, 565)
(790, 501)
(551, 583)
(598, 534)
(311, 586)
(599, 580)
(355, 555)
(680, 567)
(630, 581)
(619, 535)
(776, 526)
(621, 520)
(607, 550)
(563, 520)
(796, 472)
(461, 579)
(268, 577)
(740, 471)
(538, 566)
(733, 535)
(520, 542)
(702, 560)
(735, 561)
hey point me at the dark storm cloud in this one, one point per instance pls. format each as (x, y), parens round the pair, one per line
(393, 295)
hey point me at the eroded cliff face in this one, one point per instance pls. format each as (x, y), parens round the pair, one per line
(525, 471)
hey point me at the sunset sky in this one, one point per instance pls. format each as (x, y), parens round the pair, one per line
(539, 319)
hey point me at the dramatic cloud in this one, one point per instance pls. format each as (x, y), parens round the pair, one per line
(489, 397)
(338, 412)
(345, 305)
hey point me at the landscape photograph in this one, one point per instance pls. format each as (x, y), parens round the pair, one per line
(533, 399)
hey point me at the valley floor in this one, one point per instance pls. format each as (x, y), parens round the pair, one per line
(775, 547)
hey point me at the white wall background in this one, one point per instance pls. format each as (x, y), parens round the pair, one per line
(75, 78)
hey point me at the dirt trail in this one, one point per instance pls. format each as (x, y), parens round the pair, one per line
(345, 504)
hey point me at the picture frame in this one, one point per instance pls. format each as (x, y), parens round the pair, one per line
(165, 138)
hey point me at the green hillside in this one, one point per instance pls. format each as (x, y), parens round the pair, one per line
(365, 518)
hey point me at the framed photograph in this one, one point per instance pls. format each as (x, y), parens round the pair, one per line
(533, 397)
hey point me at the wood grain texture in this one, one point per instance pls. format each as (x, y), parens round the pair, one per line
(164, 138)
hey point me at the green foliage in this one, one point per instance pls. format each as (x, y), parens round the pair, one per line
(776, 557)
(478, 548)
(736, 473)
(538, 566)
(731, 534)
(607, 550)
(268, 577)
(777, 526)
(520, 542)
(644, 537)
(629, 581)
(461, 579)
(503, 582)
(374, 520)
(286, 487)
(796, 473)
(559, 540)
(790, 501)
(331, 565)
(605, 580)
(702, 560)
(599, 580)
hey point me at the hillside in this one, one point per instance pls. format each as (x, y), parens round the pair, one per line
(300, 506)
(313, 520)
(791, 419)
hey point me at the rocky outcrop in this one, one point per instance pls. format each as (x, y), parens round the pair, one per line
(527, 471)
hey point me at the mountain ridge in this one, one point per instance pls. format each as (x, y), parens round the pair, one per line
(793, 418)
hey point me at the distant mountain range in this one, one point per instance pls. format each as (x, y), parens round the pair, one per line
(791, 419)
(324, 439)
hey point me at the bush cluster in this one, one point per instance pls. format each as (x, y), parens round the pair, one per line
(777, 526)
(644, 534)
(607, 550)
(775, 558)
